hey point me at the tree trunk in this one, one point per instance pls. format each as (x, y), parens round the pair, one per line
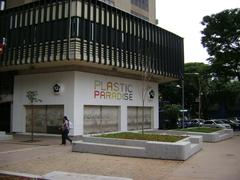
(32, 121)
(143, 118)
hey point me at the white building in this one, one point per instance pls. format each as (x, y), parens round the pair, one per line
(94, 103)
(86, 60)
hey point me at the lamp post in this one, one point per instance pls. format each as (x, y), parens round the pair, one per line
(183, 98)
(183, 109)
(199, 97)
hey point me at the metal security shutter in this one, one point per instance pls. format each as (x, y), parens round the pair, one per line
(135, 118)
(99, 119)
(47, 119)
(54, 118)
(39, 116)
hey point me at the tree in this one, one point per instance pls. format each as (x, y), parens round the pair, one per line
(195, 84)
(170, 93)
(146, 77)
(172, 113)
(194, 73)
(225, 93)
(221, 37)
(32, 97)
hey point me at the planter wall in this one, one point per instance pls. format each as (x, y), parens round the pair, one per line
(180, 150)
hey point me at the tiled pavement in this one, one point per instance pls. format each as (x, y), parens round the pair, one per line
(215, 162)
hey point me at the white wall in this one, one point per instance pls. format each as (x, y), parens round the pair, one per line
(43, 83)
(85, 93)
(78, 91)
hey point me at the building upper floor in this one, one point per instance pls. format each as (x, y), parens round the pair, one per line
(88, 35)
(145, 9)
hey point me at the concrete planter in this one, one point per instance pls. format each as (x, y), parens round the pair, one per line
(4, 136)
(207, 137)
(180, 150)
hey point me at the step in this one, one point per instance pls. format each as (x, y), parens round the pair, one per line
(2, 133)
(4, 136)
(110, 149)
(59, 175)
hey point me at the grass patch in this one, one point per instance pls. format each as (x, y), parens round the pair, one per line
(201, 129)
(139, 136)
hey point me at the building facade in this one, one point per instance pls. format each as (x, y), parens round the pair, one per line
(145, 9)
(95, 63)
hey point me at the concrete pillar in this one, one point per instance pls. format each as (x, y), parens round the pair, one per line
(123, 118)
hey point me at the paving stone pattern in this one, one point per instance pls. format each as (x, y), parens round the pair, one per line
(215, 162)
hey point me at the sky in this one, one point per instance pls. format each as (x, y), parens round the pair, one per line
(183, 17)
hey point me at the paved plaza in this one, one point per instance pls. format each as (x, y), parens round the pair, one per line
(217, 161)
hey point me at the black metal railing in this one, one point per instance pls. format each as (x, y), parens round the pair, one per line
(88, 30)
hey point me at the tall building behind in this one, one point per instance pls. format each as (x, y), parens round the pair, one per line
(145, 9)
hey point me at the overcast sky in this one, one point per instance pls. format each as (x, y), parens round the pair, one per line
(183, 17)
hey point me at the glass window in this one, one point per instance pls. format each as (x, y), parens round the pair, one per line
(110, 2)
(143, 4)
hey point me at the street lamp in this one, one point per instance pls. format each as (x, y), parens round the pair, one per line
(199, 97)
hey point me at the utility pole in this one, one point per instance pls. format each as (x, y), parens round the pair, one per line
(199, 97)
(183, 116)
(199, 93)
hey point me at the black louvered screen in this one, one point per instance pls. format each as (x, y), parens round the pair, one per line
(91, 31)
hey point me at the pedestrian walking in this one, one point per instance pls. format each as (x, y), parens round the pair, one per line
(65, 130)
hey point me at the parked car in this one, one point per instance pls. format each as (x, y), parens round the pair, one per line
(236, 119)
(216, 123)
(197, 122)
(233, 123)
(183, 124)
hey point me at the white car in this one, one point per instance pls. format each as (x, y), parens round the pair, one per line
(197, 122)
(216, 123)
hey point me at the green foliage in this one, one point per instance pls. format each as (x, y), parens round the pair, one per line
(139, 136)
(194, 83)
(193, 73)
(214, 91)
(221, 38)
(172, 113)
(33, 98)
(170, 93)
(200, 68)
(227, 92)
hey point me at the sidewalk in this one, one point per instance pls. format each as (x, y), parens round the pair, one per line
(216, 161)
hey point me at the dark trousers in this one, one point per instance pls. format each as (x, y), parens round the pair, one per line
(65, 136)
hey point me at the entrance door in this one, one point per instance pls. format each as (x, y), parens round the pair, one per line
(5, 116)
(47, 118)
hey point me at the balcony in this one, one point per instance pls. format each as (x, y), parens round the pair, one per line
(87, 33)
